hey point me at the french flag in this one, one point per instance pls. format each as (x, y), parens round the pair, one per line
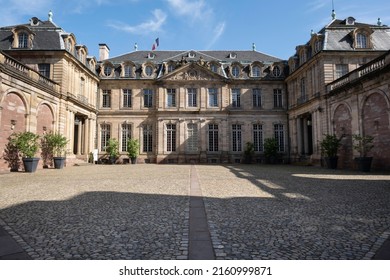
(156, 44)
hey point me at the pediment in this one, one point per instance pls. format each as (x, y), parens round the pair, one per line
(192, 72)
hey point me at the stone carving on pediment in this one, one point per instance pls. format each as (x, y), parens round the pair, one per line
(191, 75)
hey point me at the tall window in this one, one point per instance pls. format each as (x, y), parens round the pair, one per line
(171, 97)
(106, 98)
(256, 97)
(171, 137)
(148, 98)
(279, 136)
(127, 96)
(191, 97)
(44, 69)
(341, 70)
(236, 98)
(22, 40)
(278, 98)
(236, 138)
(258, 137)
(147, 138)
(192, 139)
(361, 41)
(126, 135)
(213, 138)
(105, 134)
(82, 86)
(303, 89)
(213, 97)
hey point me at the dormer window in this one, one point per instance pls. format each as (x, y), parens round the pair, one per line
(362, 38)
(107, 70)
(276, 72)
(128, 71)
(235, 71)
(350, 21)
(256, 71)
(171, 68)
(214, 68)
(232, 55)
(361, 41)
(191, 55)
(151, 55)
(22, 40)
(148, 71)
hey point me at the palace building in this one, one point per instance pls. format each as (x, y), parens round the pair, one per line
(196, 106)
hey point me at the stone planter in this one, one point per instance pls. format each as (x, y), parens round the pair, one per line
(364, 163)
(331, 162)
(59, 162)
(30, 164)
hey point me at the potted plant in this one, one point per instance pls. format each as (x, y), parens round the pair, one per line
(270, 150)
(363, 144)
(11, 154)
(112, 149)
(249, 152)
(27, 145)
(133, 150)
(58, 143)
(330, 146)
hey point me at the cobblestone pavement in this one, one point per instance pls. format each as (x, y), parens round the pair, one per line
(142, 211)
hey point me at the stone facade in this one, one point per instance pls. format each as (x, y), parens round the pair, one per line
(198, 106)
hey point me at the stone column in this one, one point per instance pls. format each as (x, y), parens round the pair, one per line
(305, 136)
(299, 135)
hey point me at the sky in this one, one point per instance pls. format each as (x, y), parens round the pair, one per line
(275, 27)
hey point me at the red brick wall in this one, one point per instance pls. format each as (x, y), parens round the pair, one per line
(44, 119)
(13, 109)
(343, 126)
(376, 112)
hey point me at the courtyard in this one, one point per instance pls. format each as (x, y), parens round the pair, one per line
(155, 212)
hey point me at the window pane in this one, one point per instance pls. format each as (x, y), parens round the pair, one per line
(106, 102)
(171, 137)
(44, 69)
(127, 94)
(148, 98)
(257, 98)
(192, 139)
(213, 97)
(191, 97)
(126, 135)
(147, 138)
(236, 138)
(171, 97)
(213, 138)
(258, 137)
(104, 136)
(236, 98)
(279, 136)
(278, 98)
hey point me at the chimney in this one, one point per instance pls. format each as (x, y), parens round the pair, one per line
(104, 52)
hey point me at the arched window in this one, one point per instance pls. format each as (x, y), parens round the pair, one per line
(22, 40)
(361, 41)
(107, 70)
(256, 71)
(276, 72)
(236, 71)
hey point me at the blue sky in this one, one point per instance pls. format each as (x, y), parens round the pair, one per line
(276, 27)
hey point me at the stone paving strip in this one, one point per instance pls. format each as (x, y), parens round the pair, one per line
(99, 212)
(143, 212)
(286, 212)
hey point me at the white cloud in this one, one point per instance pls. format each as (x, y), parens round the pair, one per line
(15, 11)
(194, 9)
(218, 31)
(152, 25)
(316, 5)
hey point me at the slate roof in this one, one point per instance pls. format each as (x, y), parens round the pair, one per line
(219, 56)
(338, 37)
(47, 36)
